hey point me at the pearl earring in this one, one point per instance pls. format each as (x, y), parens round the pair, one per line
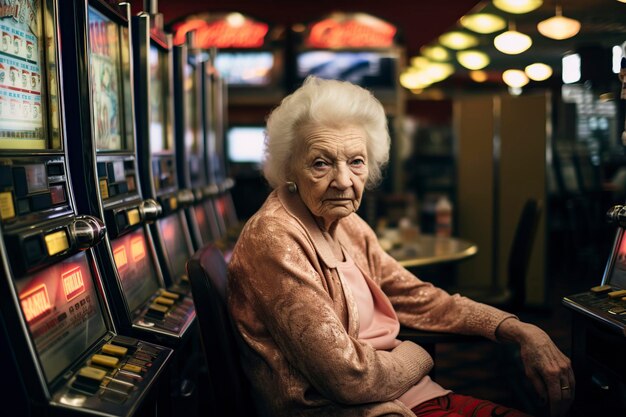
(292, 187)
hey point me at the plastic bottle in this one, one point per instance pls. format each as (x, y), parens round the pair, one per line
(443, 217)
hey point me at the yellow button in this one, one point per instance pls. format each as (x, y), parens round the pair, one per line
(105, 360)
(7, 210)
(164, 300)
(184, 278)
(601, 288)
(169, 294)
(132, 368)
(104, 189)
(617, 294)
(56, 242)
(158, 307)
(173, 203)
(114, 350)
(92, 373)
(133, 216)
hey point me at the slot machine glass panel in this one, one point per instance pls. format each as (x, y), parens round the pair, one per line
(28, 79)
(63, 313)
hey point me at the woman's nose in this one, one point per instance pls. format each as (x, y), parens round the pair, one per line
(342, 177)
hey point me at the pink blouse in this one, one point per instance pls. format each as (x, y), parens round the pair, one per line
(379, 326)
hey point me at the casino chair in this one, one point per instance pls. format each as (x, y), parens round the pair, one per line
(230, 388)
(510, 299)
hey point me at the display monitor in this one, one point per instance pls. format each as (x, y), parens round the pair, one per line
(106, 81)
(616, 270)
(63, 312)
(159, 137)
(135, 268)
(29, 92)
(372, 69)
(245, 144)
(250, 68)
(177, 251)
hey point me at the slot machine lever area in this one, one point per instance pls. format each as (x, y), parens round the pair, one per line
(150, 210)
(87, 231)
(617, 215)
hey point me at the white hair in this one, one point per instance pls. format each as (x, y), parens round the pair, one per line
(328, 103)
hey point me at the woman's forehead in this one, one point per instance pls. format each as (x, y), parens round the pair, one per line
(322, 137)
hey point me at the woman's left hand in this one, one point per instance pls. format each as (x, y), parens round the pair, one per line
(549, 370)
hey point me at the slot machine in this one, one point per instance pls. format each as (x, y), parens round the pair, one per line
(599, 332)
(152, 49)
(57, 332)
(102, 102)
(216, 100)
(190, 86)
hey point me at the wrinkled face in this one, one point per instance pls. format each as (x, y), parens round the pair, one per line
(330, 169)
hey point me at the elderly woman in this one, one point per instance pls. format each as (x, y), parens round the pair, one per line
(319, 303)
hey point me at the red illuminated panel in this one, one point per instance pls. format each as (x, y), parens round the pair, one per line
(222, 33)
(356, 31)
(137, 248)
(620, 262)
(119, 254)
(73, 283)
(221, 206)
(35, 303)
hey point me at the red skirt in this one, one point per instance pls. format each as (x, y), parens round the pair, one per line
(455, 405)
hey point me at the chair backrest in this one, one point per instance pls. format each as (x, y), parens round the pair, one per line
(207, 271)
(521, 248)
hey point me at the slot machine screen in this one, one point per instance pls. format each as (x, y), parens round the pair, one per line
(201, 218)
(158, 105)
(106, 82)
(245, 68)
(63, 312)
(171, 231)
(617, 272)
(367, 69)
(245, 144)
(29, 96)
(129, 117)
(137, 275)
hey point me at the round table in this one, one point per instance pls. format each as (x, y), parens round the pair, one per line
(425, 250)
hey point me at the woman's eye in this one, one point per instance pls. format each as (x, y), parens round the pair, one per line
(358, 162)
(319, 164)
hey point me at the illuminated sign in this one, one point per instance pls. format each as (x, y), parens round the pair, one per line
(137, 249)
(133, 216)
(35, 303)
(119, 254)
(351, 31)
(73, 284)
(232, 30)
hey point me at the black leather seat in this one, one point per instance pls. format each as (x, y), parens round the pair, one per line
(230, 388)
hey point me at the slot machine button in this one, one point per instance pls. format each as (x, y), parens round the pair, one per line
(121, 220)
(617, 310)
(143, 357)
(33, 249)
(114, 350)
(617, 294)
(104, 189)
(170, 294)
(184, 278)
(7, 210)
(132, 368)
(111, 172)
(120, 386)
(164, 301)
(105, 360)
(5, 176)
(102, 169)
(157, 310)
(41, 201)
(125, 341)
(139, 362)
(601, 289)
(89, 379)
(20, 183)
(150, 350)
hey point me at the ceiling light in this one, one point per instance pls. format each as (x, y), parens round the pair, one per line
(512, 42)
(478, 76)
(538, 71)
(419, 62)
(483, 22)
(472, 59)
(436, 53)
(414, 80)
(558, 27)
(517, 6)
(438, 71)
(458, 40)
(514, 78)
